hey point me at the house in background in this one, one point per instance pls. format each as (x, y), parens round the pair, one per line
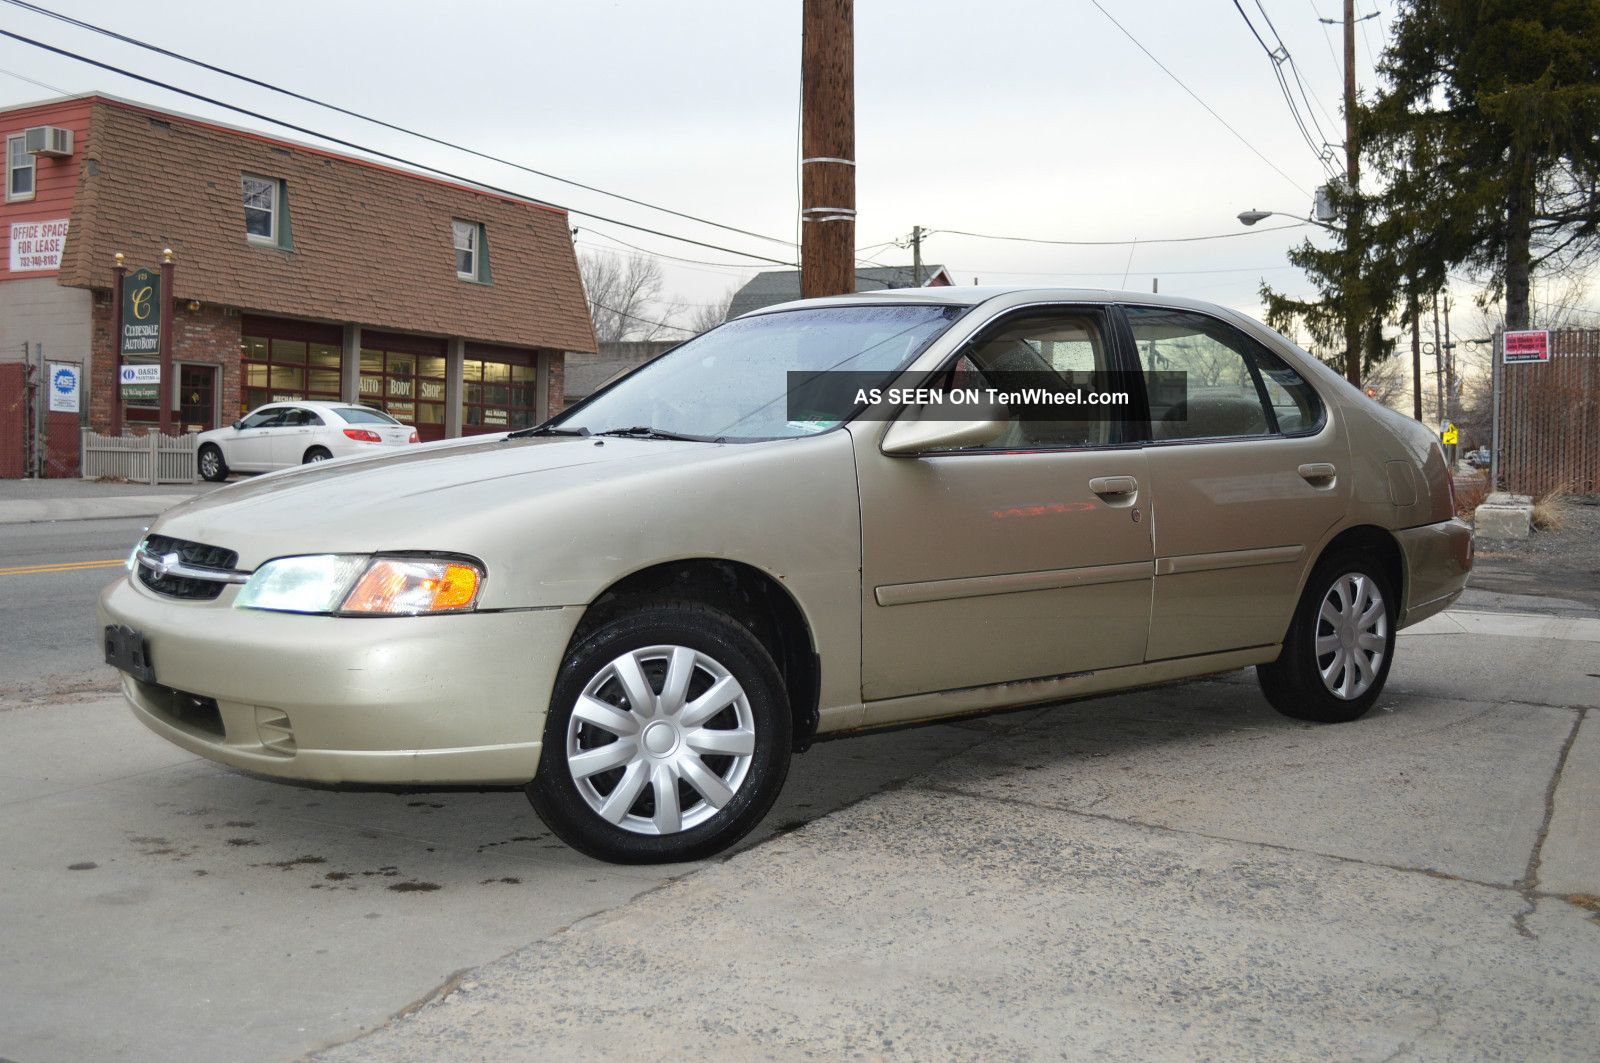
(299, 273)
(783, 285)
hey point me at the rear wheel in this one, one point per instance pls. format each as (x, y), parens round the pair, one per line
(212, 467)
(315, 454)
(667, 739)
(1336, 656)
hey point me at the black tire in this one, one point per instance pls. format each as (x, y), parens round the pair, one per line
(212, 467)
(315, 454)
(1294, 683)
(555, 792)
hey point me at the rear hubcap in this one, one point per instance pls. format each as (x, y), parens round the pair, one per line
(660, 740)
(1352, 636)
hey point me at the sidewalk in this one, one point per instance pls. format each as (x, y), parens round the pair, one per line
(1173, 874)
(30, 501)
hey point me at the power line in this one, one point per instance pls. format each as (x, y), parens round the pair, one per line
(1119, 243)
(659, 254)
(377, 153)
(1196, 97)
(33, 81)
(641, 320)
(168, 53)
(1280, 57)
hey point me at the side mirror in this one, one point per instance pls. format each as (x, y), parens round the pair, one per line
(913, 432)
(238, 425)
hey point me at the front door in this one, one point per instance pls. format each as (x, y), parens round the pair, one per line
(197, 397)
(1026, 558)
(1245, 483)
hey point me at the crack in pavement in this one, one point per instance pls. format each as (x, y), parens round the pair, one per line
(1528, 884)
(1502, 887)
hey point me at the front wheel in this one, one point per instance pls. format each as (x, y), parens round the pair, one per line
(667, 738)
(212, 467)
(1336, 656)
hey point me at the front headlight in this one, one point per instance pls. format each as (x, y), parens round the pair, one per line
(359, 584)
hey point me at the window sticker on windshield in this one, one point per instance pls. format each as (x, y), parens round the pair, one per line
(810, 427)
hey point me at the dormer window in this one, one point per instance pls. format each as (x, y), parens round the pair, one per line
(262, 208)
(472, 252)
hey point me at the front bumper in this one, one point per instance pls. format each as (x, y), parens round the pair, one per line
(425, 700)
(1438, 559)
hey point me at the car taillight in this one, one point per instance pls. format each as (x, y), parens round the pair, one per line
(363, 435)
(414, 437)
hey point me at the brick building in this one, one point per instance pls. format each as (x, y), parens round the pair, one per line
(298, 273)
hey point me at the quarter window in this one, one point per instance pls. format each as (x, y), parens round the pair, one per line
(469, 250)
(1225, 398)
(262, 201)
(19, 169)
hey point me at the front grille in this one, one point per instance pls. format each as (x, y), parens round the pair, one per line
(197, 555)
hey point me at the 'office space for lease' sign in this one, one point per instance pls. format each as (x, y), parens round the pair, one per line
(36, 245)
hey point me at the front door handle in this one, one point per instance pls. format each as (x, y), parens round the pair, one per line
(1114, 486)
(1318, 473)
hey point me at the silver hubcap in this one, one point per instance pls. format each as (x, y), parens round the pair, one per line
(1352, 636)
(208, 463)
(660, 740)
(318, 457)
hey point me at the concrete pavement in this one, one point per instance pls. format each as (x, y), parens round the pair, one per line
(32, 501)
(1174, 874)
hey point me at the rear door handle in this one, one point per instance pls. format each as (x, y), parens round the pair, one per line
(1318, 473)
(1114, 486)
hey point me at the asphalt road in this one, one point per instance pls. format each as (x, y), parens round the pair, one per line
(50, 573)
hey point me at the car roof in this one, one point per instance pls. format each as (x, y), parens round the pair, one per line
(975, 295)
(315, 404)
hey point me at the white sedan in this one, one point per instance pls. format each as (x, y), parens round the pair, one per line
(281, 434)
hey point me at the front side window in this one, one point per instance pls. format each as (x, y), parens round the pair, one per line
(264, 418)
(1225, 400)
(1058, 351)
(261, 208)
(734, 382)
(19, 169)
(466, 241)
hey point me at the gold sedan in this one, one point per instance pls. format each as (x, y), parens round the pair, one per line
(826, 517)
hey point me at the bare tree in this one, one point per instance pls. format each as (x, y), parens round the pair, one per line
(709, 315)
(624, 294)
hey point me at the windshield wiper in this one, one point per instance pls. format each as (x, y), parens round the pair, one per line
(548, 430)
(644, 431)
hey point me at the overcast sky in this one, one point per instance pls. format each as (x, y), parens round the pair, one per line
(1014, 118)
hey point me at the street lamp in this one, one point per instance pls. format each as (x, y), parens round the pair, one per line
(1250, 217)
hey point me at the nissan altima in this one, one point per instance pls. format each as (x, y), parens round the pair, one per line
(642, 608)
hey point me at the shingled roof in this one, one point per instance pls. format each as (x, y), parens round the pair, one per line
(783, 285)
(371, 244)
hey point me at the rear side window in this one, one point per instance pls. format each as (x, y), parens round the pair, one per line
(361, 415)
(1235, 388)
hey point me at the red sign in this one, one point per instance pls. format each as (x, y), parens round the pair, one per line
(1531, 346)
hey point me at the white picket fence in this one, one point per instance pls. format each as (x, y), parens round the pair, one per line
(152, 458)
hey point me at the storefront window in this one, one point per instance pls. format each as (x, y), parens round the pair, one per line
(280, 370)
(498, 395)
(406, 386)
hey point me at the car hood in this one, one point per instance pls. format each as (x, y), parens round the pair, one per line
(423, 498)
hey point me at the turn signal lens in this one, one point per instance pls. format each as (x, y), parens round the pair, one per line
(408, 587)
(363, 435)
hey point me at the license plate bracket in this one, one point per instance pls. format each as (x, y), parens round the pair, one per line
(127, 650)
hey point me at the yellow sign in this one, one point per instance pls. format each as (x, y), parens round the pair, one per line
(1450, 436)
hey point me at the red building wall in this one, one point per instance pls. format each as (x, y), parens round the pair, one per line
(55, 180)
(210, 335)
(13, 420)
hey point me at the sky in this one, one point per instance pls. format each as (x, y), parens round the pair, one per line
(1008, 117)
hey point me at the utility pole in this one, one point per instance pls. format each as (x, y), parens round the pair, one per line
(1439, 364)
(828, 149)
(1416, 357)
(916, 256)
(1353, 239)
(1452, 385)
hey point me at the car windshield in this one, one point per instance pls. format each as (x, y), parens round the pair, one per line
(362, 415)
(733, 382)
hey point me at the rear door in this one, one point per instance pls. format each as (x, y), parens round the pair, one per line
(293, 436)
(1245, 483)
(1025, 558)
